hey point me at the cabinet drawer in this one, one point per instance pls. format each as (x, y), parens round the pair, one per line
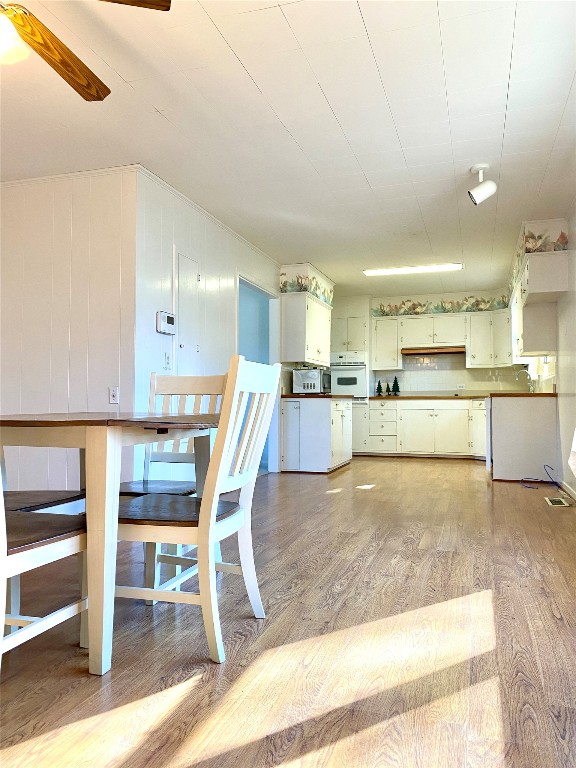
(378, 427)
(383, 405)
(385, 444)
(479, 405)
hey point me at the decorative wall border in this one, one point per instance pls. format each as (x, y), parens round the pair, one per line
(439, 306)
(304, 278)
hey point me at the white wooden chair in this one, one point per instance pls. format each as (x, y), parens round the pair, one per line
(169, 395)
(245, 417)
(59, 502)
(29, 540)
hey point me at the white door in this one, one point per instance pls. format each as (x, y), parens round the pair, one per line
(416, 431)
(290, 435)
(187, 318)
(502, 338)
(478, 432)
(480, 341)
(385, 355)
(339, 335)
(451, 431)
(416, 331)
(356, 334)
(359, 427)
(450, 329)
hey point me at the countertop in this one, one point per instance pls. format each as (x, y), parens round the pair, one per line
(461, 395)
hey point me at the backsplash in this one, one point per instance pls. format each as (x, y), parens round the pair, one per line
(439, 373)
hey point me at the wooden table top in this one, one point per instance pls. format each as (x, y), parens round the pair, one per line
(127, 419)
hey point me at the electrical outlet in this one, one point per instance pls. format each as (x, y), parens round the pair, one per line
(113, 395)
(167, 361)
(459, 386)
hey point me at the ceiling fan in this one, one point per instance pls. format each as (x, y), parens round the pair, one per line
(58, 55)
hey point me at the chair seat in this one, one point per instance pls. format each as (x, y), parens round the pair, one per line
(142, 487)
(32, 501)
(163, 509)
(26, 530)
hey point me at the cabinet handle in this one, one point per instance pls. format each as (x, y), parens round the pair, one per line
(474, 357)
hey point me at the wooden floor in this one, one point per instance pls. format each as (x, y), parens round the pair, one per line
(418, 615)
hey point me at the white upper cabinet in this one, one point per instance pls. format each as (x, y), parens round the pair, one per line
(305, 329)
(450, 329)
(479, 352)
(437, 330)
(502, 338)
(416, 331)
(545, 276)
(385, 347)
(349, 334)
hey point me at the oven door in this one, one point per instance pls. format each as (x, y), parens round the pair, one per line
(349, 380)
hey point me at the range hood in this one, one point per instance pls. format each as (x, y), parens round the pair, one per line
(427, 351)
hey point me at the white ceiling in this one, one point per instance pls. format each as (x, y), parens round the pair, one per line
(329, 131)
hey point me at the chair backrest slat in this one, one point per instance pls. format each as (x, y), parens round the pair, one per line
(182, 395)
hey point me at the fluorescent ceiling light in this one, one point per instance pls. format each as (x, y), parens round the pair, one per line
(413, 270)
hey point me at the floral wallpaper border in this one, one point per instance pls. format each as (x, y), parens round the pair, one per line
(442, 306)
(304, 278)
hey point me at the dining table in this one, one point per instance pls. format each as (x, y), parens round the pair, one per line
(100, 438)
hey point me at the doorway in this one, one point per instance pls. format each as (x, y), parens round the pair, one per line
(254, 332)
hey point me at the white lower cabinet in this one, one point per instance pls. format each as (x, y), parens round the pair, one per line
(428, 426)
(316, 434)
(382, 426)
(478, 428)
(360, 431)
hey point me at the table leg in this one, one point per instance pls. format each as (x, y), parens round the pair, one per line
(201, 460)
(103, 456)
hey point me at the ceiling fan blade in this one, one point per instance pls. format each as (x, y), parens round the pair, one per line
(154, 5)
(56, 54)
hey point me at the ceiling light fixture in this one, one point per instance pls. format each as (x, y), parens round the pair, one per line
(485, 189)
(414, 270)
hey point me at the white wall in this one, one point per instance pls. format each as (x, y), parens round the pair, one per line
(87, 260)
(67, 299)
(566, 363)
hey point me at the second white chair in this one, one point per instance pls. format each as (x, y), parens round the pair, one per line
(246, 413)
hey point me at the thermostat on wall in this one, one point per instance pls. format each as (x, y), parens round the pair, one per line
(166, 323)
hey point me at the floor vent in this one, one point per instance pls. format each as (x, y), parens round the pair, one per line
(556, 501)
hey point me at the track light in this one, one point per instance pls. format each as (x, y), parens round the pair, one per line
(485, 189)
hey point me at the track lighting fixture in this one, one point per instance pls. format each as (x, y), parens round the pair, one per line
(484, 189)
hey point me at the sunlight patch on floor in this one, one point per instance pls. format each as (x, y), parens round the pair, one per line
(107, 737)
(365, 487)
(335, 490)
(422, 653)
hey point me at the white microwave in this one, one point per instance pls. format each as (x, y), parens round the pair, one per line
(349, 380)
(310, 381)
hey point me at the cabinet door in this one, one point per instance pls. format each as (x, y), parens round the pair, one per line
(450, 329)
(356, 334)
(290, 435)
(359, 427)
(385, 354)
(347, 432)
(416, 332)
(451, 431)
(479, 348)
(318, 324)
(336, 435)
(339, 334)
(501, 338)
(416, 431)
(478, 433)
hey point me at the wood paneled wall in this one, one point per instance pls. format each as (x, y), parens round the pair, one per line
(87, 260)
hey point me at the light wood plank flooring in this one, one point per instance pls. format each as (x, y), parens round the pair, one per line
(418, 616)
